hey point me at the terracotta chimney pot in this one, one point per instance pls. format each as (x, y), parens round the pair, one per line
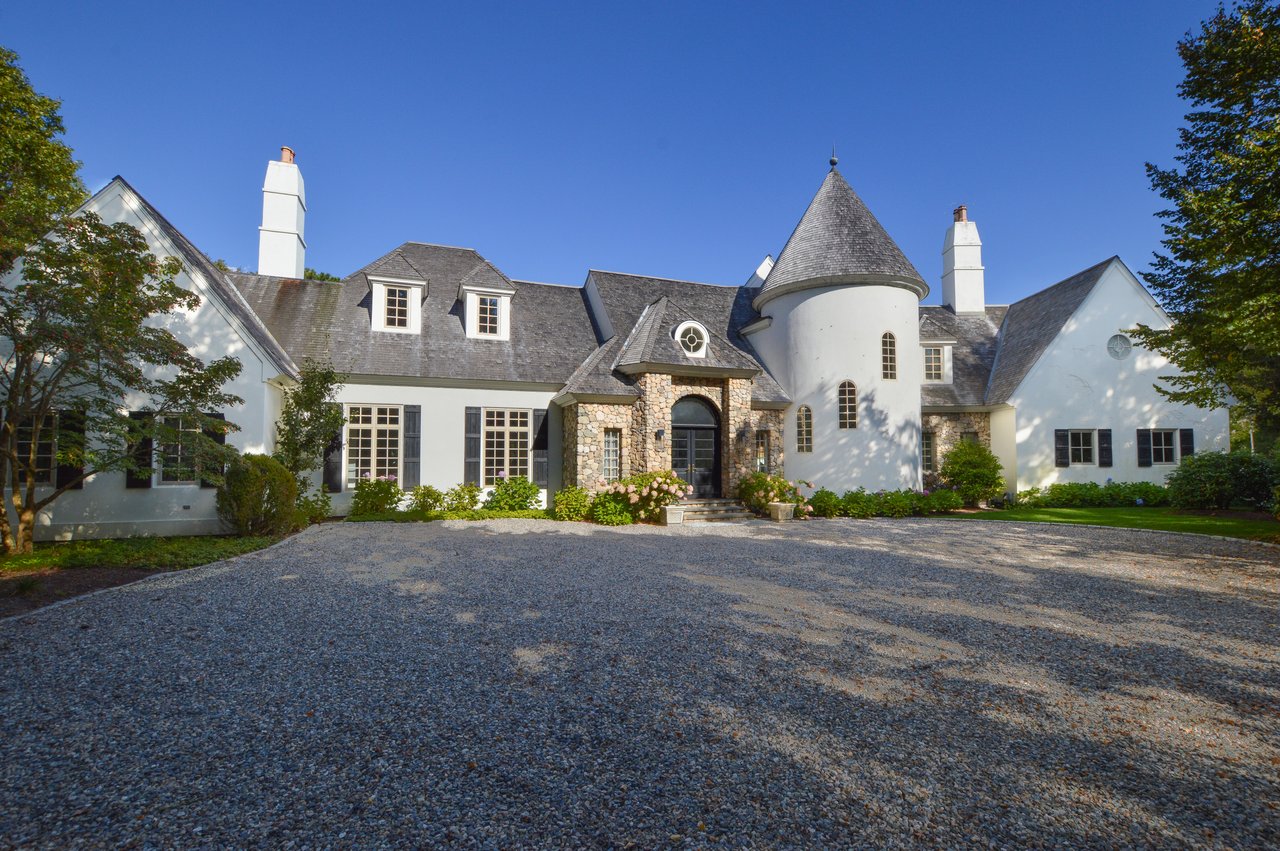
(961, 213)
(286, 156)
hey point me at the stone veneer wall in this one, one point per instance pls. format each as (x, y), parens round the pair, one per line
(584, 427)
(947, 429)
(643, 452)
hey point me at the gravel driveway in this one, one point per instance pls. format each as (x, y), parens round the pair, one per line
(525, 683)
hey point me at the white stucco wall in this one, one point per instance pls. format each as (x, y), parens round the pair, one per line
(105, 507)
(821, 337)
(444, 425)
(1076, 384)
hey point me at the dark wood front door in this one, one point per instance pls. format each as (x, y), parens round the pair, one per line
(695, 458)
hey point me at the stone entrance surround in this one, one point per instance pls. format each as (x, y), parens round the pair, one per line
(643, 451)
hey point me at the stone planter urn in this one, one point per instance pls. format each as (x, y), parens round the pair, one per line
(672, 515)
(782, 510)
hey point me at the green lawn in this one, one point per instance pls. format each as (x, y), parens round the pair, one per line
(144, 553)
(1226, 523)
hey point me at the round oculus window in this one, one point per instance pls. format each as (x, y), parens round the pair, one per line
(692, 337)
(1119, 346)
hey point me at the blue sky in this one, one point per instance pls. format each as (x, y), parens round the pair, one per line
(673, 139)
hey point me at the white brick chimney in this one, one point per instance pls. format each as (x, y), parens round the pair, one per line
(962, 284)
(281, 249)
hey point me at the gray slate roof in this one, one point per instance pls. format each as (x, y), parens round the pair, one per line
(838, 240)
(723, 310)
(550, 330)
(1032, 324)
(973, 353)
(229, 295)
(650, 341)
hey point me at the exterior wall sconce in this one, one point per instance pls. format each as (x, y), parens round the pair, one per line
(660, 433)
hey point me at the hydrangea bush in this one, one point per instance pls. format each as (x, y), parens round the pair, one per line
(426, 498)
(514, 493)
(463, 497)
(647, 494)
(572, 503)
(759, 489)
(376, 495)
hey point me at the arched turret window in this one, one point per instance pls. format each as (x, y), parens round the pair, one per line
(804, 429)
(888, 356)
(848, 404)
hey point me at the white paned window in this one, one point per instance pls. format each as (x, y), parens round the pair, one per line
(692, 338)
(487, 316)
(927, 457)
(178, 459)
(804, 429)
(1164, 442)
(933, 363)
(397, 310)
(373, 443)
(848, 404)
(44, 449)
(762, 451)
(888, 356)
(1081, 447)
(612, 454)
(506, 444)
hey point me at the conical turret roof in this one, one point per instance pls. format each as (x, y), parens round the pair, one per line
(839, 241)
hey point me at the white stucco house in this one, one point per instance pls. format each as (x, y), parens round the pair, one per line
(823, 366)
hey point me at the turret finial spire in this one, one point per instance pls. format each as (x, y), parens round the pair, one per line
(834, 158)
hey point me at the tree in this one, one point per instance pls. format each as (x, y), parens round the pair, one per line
(1219, 275)
(82, 326)
(972, 471)
(315, 275)
(38, 180)
(308, 420)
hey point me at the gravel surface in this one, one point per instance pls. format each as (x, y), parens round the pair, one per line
(510, 684)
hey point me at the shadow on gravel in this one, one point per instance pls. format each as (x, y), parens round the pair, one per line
(822, 684)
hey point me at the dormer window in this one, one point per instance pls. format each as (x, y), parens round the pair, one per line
(397, 305)
(692, 338)
(487, 312)
(937, 363)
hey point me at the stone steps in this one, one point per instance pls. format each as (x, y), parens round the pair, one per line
(714, 511)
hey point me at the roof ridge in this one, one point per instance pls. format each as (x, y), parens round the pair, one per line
(660, 278)
(1065, 280)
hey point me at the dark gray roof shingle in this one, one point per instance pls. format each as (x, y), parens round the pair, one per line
(551, 333)
(229, 295)
(651, 341)
(1032, 324)
(723, 310)
(973, 352)
(838, 240)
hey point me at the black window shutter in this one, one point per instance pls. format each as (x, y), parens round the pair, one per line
(471, 448)
(218, 437)
(1061, 448)
(1104, 447)
(70, 435)
(412, 461)
(1144, 447)
(141, 452)
(333, 460)
(1187, 439)
(540, 447)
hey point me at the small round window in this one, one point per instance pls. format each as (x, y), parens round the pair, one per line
(1119, 346)
(692, 337)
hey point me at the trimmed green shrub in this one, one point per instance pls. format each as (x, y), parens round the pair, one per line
(426, 498)
(825, 503)
(611, 509)
(858, 504)
(463, 497)
(1218, 479)
(514, 493)
(376, 496)
(313, 509)
(759, 489)
(895, 503)
(1093, 495)
(942, 501)
(572, 503)
(972, 471)
(258, 496)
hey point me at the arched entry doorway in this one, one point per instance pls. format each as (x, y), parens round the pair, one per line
(695, 445)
